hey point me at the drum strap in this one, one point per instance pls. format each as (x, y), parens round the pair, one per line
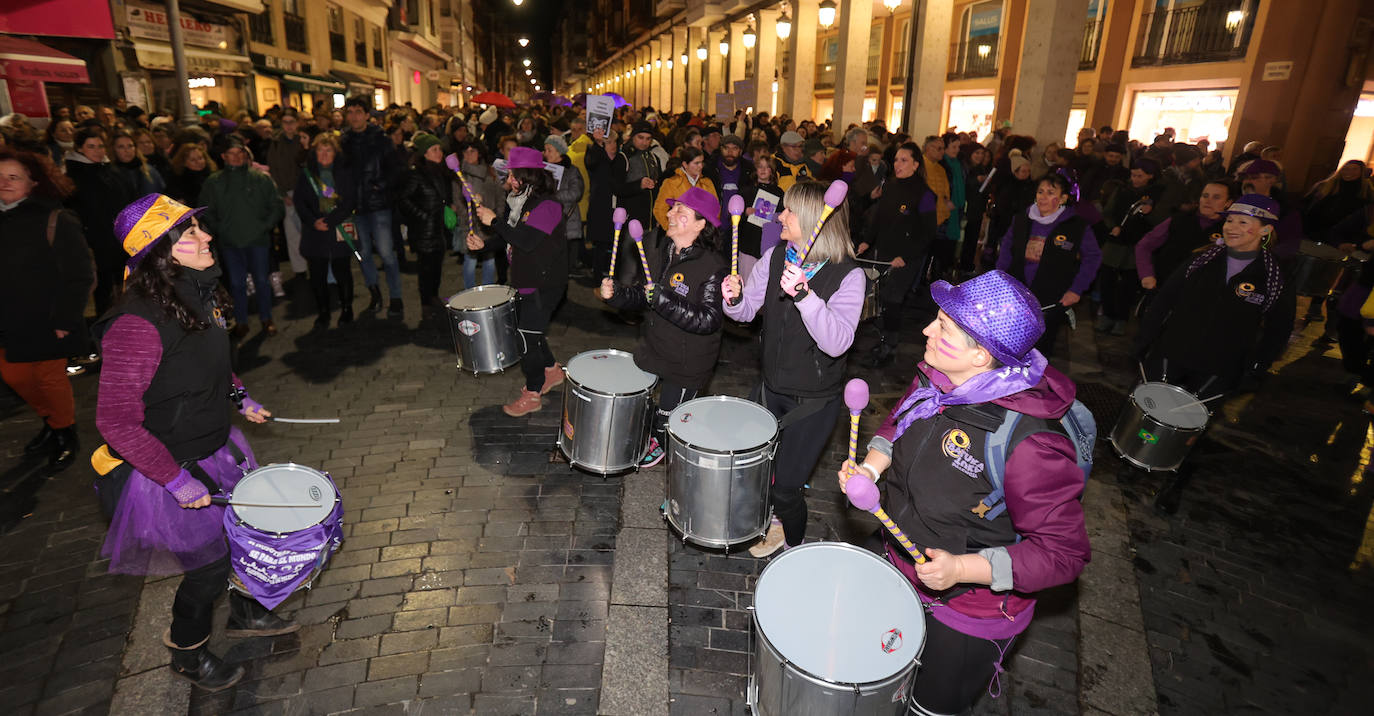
(198, 472)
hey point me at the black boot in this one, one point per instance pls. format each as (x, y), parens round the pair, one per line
(197, 665)
(376, 303)
(322, 308)
(42, 440)
(346, 301)
(397, 308)
(248, 618)
(65, 447)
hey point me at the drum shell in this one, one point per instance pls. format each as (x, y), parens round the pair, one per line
(1317, 267)
(1168, 452)
(718, 498)
(604, 432)
(495, 345)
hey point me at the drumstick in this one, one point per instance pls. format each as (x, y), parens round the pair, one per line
(856, 398)
(221, 500)
(736, 208)
(863, 494)
(305, 421)
(456, 165)
(618, 218)
(1195, 402)
(637, 233)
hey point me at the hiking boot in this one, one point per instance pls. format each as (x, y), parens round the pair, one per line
(197, 665)
(553, 377)
(238, 331)
(396, 309)
(249, 618)
(1118, 328)
(653, 456)
(528, 402)
(771, 542)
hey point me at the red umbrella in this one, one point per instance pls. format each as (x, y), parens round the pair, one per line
(494, 98)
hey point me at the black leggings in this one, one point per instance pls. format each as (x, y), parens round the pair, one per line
(799, 449)
(534, 312)
(193, 609)
(319, 280)
(955, 668)
(670, 395)
(431, 269)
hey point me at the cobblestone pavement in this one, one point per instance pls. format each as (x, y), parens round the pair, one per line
(476, 573)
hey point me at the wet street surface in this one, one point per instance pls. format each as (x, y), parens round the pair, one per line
(476, 572)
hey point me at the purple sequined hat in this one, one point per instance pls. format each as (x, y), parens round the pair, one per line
(702, 202)
(525, 158)
(998, 311)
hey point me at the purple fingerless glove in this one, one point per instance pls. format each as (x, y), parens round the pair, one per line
(250, 404)
(186, 489)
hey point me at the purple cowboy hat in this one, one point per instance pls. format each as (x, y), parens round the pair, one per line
(702, 202)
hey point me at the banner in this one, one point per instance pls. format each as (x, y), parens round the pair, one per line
(725, 106)
(600, 109)
(271, 567)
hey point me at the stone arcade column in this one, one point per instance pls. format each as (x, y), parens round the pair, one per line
(765, 60)
(801, 85)
(1050, 47)
(851, 77)
(929, 66)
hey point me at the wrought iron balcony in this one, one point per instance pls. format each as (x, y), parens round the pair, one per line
(974, 57)
(1201, 33)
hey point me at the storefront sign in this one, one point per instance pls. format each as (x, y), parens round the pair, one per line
(986, 19)
(1277, 71)
(151, 23)
(134, 92)
(272, 62)
(200, 62)
(28, 97)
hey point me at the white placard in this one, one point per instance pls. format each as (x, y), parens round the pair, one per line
(765, 207)
(600, 109)
(557, 171)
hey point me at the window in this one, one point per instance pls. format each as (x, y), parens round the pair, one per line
(359, 41)
(376, 47)
(900, 60)
(975, 54)
(260, 25)
(337, 50)
(875, 54)
(293, 22)
(444, 9)
(1173, 33)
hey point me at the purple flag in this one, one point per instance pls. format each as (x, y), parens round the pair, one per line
(271, 567)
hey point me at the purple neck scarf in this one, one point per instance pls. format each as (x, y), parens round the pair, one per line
(982, 388)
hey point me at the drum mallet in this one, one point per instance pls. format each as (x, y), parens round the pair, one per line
(863, 494)
(736, 207)
(456, 165)
(834, 196)
(304, 421)
(856, 398)
(617, 218)
(637, 233)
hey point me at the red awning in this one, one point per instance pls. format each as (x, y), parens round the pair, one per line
(30, 60)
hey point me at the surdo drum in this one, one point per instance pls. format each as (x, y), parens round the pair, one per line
(837, 630)
(606, 411)
(1159, 426)
(486, 333)
(720, 462)
(1318, 266)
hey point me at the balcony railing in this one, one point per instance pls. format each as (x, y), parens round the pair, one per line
(1205, 33)
(974, 57)
(1092, 44)
(294, 26)
(260, 27)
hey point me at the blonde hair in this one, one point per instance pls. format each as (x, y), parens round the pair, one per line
(806, 199)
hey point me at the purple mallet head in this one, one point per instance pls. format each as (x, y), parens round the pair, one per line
(856, 395)
(454, 162)
(636, 229)
(736, 205)
(618, 216)
(834, 196)
(862, 493)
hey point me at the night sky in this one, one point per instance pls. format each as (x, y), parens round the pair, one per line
(535, 19)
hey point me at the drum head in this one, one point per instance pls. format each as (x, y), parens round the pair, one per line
(285, 484)
(1325, 252)
(723, 424)
(481, 297)
(609, 371)
(1163, 402)
(839, 612)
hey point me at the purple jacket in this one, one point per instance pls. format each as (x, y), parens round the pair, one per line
(1043, 485)
(1089, 248)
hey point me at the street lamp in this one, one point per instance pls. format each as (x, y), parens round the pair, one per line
(784, 25)
(526, 62)
(684, 59)
(701, 52)
(750, 37)
(659, 63)
(670, 64)
(892, 5)
(826, 13)
(524, 41)
(518, 3)
(724, 48)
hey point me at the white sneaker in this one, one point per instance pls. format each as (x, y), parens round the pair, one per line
(277, 290)
(771, 542)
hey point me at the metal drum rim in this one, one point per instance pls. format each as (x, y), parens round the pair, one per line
(786, 663)
(612, 351)
(511, 295)
(672, 436)
(1146, 413)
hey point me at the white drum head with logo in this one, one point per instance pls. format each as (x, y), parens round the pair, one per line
(1166, 403)
(723, 424)
(609, 371)
(481, 297)
(283, 484)
(840, 613)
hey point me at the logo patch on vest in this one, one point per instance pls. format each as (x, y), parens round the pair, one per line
(955, 444)
(678, 282)
(1062, 242)
(1246, 292)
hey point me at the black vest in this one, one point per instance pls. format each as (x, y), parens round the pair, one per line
(545, 267)
(793, 364)
(1186, 239)
(1060, 261)
(1217, 341)
(187, 406)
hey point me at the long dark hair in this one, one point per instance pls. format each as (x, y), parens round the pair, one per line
(155, 279)
(540, 181)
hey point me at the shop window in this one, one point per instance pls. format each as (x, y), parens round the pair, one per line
(826, 60)
(260, 25)
(293, 23)
(1189, 31)
(337, 50)
(971, 113)
(975, 54)
(359, 41)
(1193, 114)
(377, 47)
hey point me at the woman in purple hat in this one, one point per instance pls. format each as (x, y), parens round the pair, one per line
(164, 403)
(680, 340)
(533, 226)
(1250, 307)
(985, 559)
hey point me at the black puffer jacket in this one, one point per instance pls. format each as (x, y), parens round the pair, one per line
(680, 341)
(425, 190)
(375, 164)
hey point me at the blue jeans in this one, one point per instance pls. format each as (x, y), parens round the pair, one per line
(238, 264)
(470, 263)
(374, 229)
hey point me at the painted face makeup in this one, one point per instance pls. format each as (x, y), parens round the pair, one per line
(947, 349)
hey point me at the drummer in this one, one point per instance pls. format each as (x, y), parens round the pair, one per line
(680, 340)
(807, 329)
(163, 407)
(981, 574)
(532, 224)
(1249, 313)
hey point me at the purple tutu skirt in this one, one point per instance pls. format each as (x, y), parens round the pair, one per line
(151, 534)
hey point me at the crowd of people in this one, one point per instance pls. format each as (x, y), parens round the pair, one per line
(173, 232)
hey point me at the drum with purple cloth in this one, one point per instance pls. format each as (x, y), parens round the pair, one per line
(283, 522)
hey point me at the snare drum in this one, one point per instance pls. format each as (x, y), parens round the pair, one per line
(485, 326)
(1158, 426)
(277, 550)
(837, 630)
(871, 308)
(1318, 266)
(606, 411)
(720, 462)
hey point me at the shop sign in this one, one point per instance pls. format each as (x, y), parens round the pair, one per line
(1274, 71)
(199, 63)
(273, 62)
(1194, 101)
(986, 19)
(150, 23)
(27, 97)
(433, 75)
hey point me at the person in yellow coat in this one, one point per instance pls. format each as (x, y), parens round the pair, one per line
(688, 175)
(578, 142)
